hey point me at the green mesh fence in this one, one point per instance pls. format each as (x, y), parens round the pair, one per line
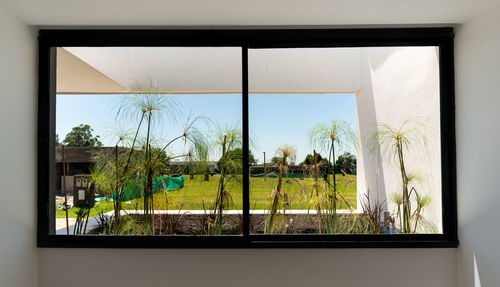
(290, 175)
(135, 190)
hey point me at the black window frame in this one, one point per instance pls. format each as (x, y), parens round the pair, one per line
(246, 39)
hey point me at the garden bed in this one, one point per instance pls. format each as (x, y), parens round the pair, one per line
(195, 222)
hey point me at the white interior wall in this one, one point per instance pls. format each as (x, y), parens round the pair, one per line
(240, 12)
(477, 69)
(477, 62)
(247, 268)
(18, 253)
(293, 267)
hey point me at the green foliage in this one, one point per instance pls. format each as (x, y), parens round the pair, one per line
(276, 160)
(323, 163)
(346, 162)
(309, 159)
(81, 136)
(145, 164)
(162, 160)
(236, 155)
(198, 157)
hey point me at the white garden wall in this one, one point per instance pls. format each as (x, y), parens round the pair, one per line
(398, 85)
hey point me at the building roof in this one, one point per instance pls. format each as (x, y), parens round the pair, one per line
(86, 154)
(79, 154)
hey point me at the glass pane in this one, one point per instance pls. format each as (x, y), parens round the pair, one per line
(148, 141)
(345, 140)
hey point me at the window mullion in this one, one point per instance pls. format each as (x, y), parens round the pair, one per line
(246, 187)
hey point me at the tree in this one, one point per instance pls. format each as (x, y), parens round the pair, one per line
(346, 162)
(81, 136)
(309, 159)
(161, 157)
(276, 160)
(321, 162)
(237, 155)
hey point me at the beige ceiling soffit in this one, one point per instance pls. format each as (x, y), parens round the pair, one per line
(75, 76)
(348, 91)
(345, 91)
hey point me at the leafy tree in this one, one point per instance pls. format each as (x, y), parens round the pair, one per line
(276, 160)
(322, 162)
(346, 162)
(309, 159)
(81, 136)
(236, 155)
(161, 157)
(57, 140)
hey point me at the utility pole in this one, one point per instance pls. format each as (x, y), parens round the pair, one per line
(265, 174)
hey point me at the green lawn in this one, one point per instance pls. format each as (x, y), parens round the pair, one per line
(197, 192)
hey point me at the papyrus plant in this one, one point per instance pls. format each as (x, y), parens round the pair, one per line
(286, 154)
(226, 140)
(150, 108)
(394, 144)
(331, 137)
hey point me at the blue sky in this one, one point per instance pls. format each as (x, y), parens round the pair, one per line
(275, 119)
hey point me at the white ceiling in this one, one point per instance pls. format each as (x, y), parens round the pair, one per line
(218, 69)
(243, 12)
(171, 68)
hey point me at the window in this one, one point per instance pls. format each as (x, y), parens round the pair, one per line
(246, 138)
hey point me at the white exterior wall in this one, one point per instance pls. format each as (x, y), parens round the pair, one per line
(18, 211)
(400, 84)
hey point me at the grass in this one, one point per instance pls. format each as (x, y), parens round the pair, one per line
(197, 192)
